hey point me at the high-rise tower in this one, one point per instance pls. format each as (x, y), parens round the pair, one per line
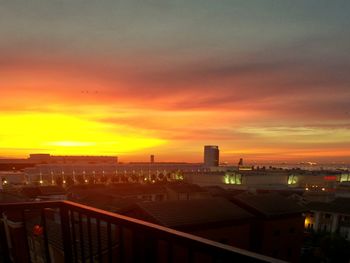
(211, 155)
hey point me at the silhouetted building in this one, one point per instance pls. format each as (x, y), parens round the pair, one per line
(50, 192)
(216, 219)
(278, 229)
(14, 165)
(185, 191)
(11, 198)
(152, 158)
(43, 158)
(40, 157)
(211, 155)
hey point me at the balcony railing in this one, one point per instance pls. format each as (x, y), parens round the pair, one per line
(64, 231)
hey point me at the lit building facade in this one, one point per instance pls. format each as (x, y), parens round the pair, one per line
(331, 217)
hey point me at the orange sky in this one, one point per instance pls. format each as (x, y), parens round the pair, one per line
(52, 109)
(83, 82)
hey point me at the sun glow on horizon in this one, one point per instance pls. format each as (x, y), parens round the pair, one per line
(66, 134)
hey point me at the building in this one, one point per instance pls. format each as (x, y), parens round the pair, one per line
(111, 195)
(42, 193)
(115, 197)
(278, 229)
(108, 172)
(14, 165)
(329, 217)
(11, 198)
(256, 178)
(215, 218)
(185, 191)
(11, 178)
(211, 155)
(47, 158)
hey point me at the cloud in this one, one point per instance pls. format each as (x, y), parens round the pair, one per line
(213, 85)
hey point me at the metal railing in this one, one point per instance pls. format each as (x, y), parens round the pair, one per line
(63, 231)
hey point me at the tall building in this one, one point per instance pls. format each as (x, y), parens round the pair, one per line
(211, 155)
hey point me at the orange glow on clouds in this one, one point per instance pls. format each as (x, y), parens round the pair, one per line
(62, 111)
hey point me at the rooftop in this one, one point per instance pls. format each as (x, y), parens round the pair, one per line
(35, 191)
(185, 188)
(193, 212)
(270, 204)
(338, 205)
(9, 197)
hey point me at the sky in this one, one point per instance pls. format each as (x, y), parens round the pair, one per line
(265, 80)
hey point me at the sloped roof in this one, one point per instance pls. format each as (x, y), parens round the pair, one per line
(51, 190)
(185, 188)
(9, 198)
(270, 204)
(31, 192)
(338, 205)
(214, 189)
(135, 189)
(193, 212)
(119, 190)
(109, 204)
(34, 191)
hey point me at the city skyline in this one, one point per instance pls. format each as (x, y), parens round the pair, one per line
(264, 81)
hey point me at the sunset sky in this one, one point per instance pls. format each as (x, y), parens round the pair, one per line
(265, 80)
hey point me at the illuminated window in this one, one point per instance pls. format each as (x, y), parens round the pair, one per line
(233, 178)
(292, 179)
(345, 177)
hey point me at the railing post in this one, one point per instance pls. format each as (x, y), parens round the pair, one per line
(3, 240)
(66, 234)
(46, 239)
